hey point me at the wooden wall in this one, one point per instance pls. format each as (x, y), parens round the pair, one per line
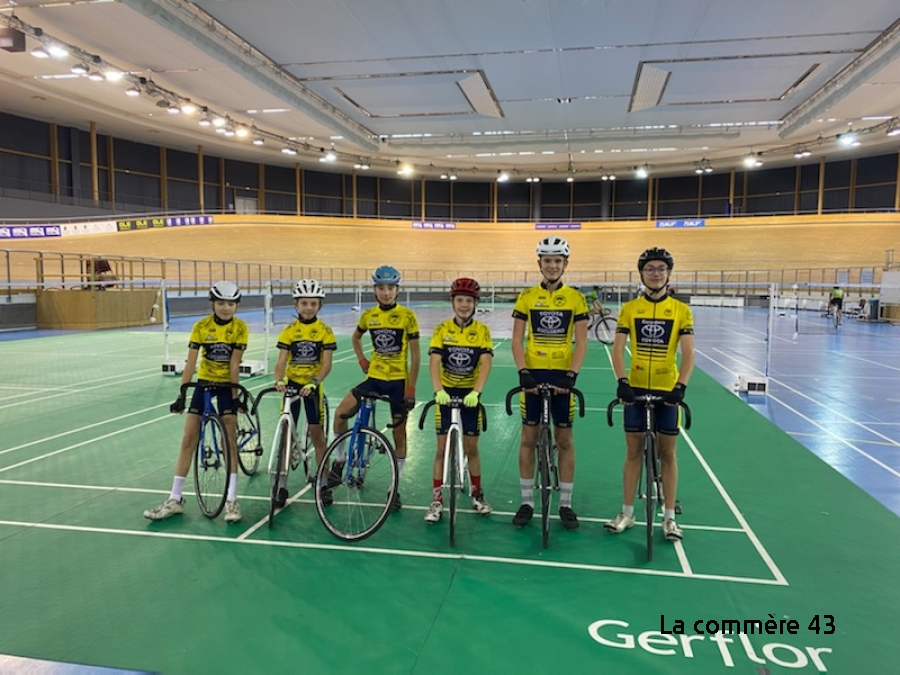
(760, 243)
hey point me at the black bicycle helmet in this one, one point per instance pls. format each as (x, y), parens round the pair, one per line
(655, 254)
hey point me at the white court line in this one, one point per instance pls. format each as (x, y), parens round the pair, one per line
(829, 432)
(845, 355)
(836, 413)
(394, 552)
(299, 499)
(66, 390)
(760, 549)
(79, 445)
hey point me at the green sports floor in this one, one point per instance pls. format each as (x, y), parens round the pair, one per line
(771, 533)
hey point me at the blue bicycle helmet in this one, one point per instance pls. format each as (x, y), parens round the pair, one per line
(386, 275)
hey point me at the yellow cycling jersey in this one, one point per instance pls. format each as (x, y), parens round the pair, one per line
(654, 329)
(837, 293)
(216, 343)
(460, 350)
(550, 319)
(305, 343)
(391, 328)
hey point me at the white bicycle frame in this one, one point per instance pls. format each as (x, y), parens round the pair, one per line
(287, 402)
(461, 465)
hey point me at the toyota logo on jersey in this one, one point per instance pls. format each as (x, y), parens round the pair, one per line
(551, 321)
(653, 331)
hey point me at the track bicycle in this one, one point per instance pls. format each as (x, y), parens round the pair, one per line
(290, 450)
(547, 473)
(650, 476)
(249, 440)
(212, 460)
(456, 472)
(356, 482)
(603, 326)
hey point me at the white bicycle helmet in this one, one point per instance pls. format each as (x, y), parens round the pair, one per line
(225, 290)
(553, 246)
(308, 288)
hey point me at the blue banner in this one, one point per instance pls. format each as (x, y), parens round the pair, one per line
(420, 225)
(29, 231)
(695, 222)
(557, 226)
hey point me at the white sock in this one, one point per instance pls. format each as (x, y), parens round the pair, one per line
(400, 462)
(177, 488)
(340, 455)
(668, 514)
(628, 510)
(527, 485)
(232, 487)
(565, 494)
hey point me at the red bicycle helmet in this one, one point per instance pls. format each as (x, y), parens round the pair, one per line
(465, 286)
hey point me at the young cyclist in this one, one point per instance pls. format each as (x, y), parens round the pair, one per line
(305, 351)
(395, 340)
(460, 359)
(219, 340)
(657, 324)
(549, 313)
(836, 302)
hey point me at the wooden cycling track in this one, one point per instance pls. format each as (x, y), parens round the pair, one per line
(762, 243)
(88, 444)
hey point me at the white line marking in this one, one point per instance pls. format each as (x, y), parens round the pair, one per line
(760, 549)
(843, 440)
(395, 552)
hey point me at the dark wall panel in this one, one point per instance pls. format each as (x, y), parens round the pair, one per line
(24, 135)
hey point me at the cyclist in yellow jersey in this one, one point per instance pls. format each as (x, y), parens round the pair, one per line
(395, 339)
(219, 341)
(548, 315)
(657, 325)
(305, 351)
(836, 301)
(461, 354)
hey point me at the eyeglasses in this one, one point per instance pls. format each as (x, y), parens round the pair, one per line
(655, 270)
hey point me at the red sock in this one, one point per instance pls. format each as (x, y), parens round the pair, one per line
(436, 494)
(476, 484)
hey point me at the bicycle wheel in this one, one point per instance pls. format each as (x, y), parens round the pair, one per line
(651, 495)
(249, 441)
(605, 330)
(361, 502)
(282, 449)
(453, 443)
(212, 466)
(554, 467)
(543, 448)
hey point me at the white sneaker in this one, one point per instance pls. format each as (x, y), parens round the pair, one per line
(619, 524)
(434, 512)
(671, 531)
(168, 508)
(479, 503)
(232, 512)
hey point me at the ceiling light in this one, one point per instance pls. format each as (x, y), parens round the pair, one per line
(80, 69)
(848, 138)
(241, 131)
(188, 108)
(289, 150)
(174, 109)
(752, 160)
(642, 171)
(570, 179)
(113, 75)
(218, 121)
(362, 166)
(329, 155)
(532, 179)
(405, 170)
(40, 53)
(502, 177)
(259, 140)
(205, 121)
(133, 90)
(96, 76)
(57, 50)
(801, 152)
